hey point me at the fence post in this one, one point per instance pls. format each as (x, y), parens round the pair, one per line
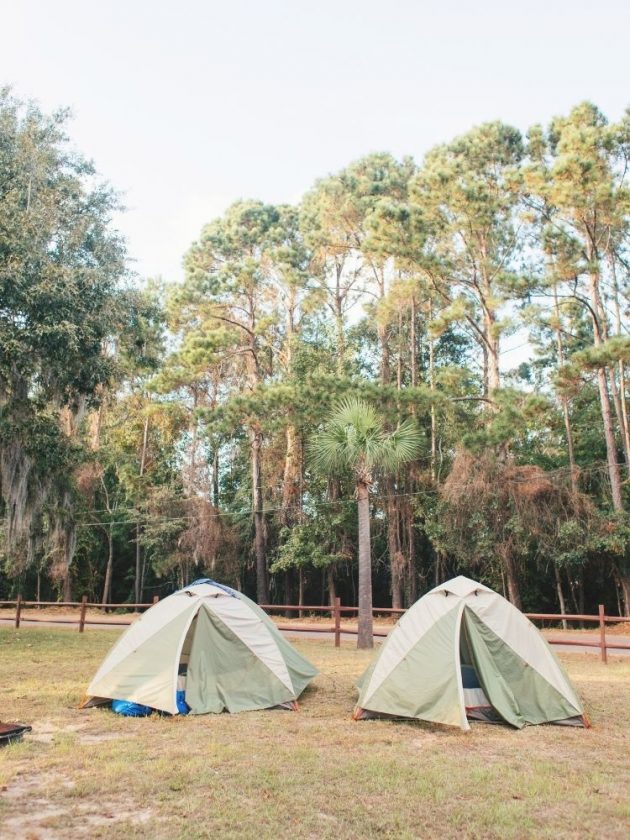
(18, 611)
(602, 634)
(337, 615)
(156, 598)
(82, 616)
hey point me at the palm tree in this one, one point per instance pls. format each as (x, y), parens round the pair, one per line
(355, 438)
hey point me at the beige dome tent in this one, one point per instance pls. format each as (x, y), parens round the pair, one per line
(462, 651)
(213, 642)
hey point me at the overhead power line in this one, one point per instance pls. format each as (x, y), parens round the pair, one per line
(246, 512)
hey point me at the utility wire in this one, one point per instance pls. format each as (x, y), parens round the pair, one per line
(559, 472)
(178, 498)
(518, 347)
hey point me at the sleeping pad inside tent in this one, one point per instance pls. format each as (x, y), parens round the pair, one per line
(211, 642)
(463, 652)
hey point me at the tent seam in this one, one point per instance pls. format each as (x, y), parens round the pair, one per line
(458, 667)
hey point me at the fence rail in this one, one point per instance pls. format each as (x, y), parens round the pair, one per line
(335, 611)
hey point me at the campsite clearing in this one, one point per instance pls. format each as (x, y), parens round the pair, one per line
(312, 774)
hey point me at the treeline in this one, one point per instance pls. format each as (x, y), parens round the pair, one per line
(155, 432)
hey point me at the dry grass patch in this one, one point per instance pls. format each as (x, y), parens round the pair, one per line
(311, 774)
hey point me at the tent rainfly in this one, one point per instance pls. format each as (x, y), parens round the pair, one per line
(212, 641)
(463, 652)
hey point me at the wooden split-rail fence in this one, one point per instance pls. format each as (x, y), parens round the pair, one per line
(336, 611)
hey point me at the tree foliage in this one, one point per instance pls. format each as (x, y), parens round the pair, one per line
(349, 353)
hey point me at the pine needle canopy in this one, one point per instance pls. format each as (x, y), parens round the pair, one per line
(356, 438)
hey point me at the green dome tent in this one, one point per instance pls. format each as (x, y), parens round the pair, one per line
(211, 641)
(463, 652)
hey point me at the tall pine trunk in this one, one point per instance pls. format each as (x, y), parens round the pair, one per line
(291, 496)
(215, 477)
(412, 578)
(330, 579)
(493, 376)
(413, 355)
(340, 331)
(391, 505)
(624, 424)
(398, 577)
(67, 586)
(300, 591)
(385, 366)
(262, 589)
(609, 437)
(433, 417)
(564, 401)
(138, 575)
(616, 398)
(107, 585)
(511, 576)
(560, 592)
(394, 549)
(291, 477)
(599, 316)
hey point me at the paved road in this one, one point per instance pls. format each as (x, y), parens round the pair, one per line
(590, 637)
(310, 634)
(63, 624)
(578, 637)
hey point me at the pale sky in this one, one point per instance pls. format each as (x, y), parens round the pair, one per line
(186, 106)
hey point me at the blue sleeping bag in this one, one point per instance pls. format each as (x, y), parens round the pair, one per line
(182, 706)
(129, 709)
(125, 707)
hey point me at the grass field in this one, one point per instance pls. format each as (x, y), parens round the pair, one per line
(312, 774)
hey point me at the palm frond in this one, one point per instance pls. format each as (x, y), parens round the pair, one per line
(355, 438)
(402, 445)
